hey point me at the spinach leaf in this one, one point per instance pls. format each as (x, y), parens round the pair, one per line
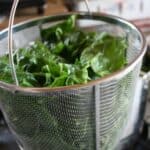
(67, 55)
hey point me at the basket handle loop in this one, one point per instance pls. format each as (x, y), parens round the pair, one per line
(10, 37)
(87, 6)
(10, 40)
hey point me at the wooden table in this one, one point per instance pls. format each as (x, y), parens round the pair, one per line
(29, 13)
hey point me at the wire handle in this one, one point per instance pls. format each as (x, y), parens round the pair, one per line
(10, 40)
(10, 37)
(87, 5)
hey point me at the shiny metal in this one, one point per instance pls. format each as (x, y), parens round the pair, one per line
(31, 112)
(97, 117)
(110, 19)
(10, 40)
(87, 5)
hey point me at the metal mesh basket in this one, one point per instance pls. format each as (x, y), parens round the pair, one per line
(91, 116)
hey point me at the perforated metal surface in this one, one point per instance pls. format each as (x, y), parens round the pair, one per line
(81, 117)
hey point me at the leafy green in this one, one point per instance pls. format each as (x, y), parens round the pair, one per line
(66, 55)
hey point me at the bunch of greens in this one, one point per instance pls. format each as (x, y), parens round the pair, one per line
(66, 55)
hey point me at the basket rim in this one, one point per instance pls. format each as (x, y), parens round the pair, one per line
(113, 76)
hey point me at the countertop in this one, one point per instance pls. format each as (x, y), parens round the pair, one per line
(50, 8)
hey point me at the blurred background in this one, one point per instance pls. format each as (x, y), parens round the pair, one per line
(29, 9)
(136, 11)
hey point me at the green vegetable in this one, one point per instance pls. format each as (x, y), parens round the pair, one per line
(66, 55)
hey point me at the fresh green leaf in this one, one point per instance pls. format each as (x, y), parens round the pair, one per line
(66, 55)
